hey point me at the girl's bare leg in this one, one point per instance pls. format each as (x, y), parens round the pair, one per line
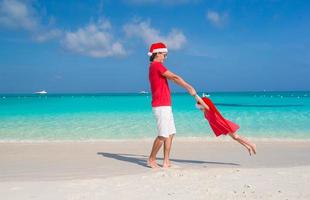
(250, 146)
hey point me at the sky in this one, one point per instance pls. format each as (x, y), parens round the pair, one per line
(87, 46)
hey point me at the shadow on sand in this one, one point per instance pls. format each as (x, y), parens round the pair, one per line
(142, 159)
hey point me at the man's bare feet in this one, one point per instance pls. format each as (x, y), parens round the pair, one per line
(166, 164)
(152, 164)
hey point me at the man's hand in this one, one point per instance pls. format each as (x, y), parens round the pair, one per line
(205, 106)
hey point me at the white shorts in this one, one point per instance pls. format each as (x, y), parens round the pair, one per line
(165, 121)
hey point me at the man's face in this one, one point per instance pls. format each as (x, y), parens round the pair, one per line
(161, 56)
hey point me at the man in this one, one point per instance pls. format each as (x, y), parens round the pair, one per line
(161, 102)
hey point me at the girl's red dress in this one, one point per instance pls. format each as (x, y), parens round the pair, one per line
(218, 123)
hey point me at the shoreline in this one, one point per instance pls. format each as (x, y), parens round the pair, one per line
(183, 139)
(57, 160)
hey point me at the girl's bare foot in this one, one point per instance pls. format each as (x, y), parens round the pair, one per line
(253, 147)
(152, 164)
(249, 149)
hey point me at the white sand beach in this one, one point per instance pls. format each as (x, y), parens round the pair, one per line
(201, 169)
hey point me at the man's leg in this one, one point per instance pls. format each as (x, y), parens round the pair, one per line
(167, 148)
(156, 146)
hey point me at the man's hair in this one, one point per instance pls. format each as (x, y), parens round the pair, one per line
(153, 57)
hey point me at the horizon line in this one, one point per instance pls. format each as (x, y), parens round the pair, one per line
(148, 92)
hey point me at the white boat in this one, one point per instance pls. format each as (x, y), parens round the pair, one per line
(143, 92)
(41, 92)
(205, 95)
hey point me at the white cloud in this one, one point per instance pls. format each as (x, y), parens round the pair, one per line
(217, 19)
(175, 39)
(47, 35)
(17, 14)
(95, 40)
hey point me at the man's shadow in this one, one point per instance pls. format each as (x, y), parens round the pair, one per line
(142, 159)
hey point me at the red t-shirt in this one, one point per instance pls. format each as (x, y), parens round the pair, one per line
(159, 85)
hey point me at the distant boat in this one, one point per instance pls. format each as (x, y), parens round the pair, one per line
(41, 92)
(205, 95)
(143, 92)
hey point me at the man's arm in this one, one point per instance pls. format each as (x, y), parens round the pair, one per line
(178, 80)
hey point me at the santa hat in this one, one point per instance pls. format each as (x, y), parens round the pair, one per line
(157, 48)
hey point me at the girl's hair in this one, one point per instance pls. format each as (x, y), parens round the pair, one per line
(153, 57)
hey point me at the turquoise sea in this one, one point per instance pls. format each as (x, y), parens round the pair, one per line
(34, 117)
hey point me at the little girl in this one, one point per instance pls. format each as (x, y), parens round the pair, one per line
(220, 125)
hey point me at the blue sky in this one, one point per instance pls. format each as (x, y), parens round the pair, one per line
(101, 46)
